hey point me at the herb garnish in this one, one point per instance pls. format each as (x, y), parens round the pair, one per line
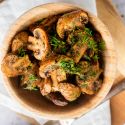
(70, 67)
(30, 84)
(56, 43)
(88, 31)
(32, 78)
(21, 52)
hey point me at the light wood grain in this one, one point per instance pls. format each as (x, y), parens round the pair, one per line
(34, 101)
(108, 14)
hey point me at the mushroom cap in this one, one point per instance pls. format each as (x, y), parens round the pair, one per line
(70, 21)
(13, 65)
(69, 91)
(19, 41)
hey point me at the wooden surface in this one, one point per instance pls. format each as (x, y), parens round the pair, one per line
(107, 13)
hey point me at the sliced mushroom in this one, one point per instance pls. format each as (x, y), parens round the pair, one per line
(57, 76)
(47, 23)
(39, 44)
(69, 21)
(69, 91)
(46, 86)
(30, 80)
(79, 45)
(13, 65)
(47, 67)
(19, 41)
(77, 51)
(57, 99)
(21, 65)
(87, 82)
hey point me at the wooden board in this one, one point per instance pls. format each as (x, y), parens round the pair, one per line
(108, 14)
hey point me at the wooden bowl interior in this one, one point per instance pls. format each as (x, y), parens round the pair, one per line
(33, 100)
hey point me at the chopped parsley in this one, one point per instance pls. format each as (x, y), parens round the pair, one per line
(95, 57)
(32, 78)
(88, 31)
(21, 52)
(70, 67)
(92, 45)
(30, 85)
(87, 57)
(56, 44)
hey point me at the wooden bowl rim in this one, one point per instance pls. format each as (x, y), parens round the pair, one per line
(109, 55)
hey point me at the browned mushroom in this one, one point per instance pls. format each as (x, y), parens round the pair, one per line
(19, 41)
(88, 82)
(30, 80)
(69, 91)
(45, 86)
(79, 45)
(57, 76)
(47, 67)
(47, 23)
(70, 21)
(13, 65)
(39, 44)
(57, 99)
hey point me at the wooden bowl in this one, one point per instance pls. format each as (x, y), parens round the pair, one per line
(33, 101)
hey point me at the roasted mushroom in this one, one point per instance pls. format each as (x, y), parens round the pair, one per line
(57, 99)
(79, 44)
(47, 67)
(39, 44)
(13, 65)
(70, 21)
(30, 80)
(87, 81)
(45, 86)
(19, 41)
(47, 23)
(69, 91)
(57, 76)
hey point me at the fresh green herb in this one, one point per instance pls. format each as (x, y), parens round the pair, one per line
(85, 38)
(21, 52)
(70, 67)
(32, 78)
(95, 57)
(73, 40)
(63, 50)
(30, 83)
(92, 45)
(56, 43)
(88, 31)
(87, 57)
(31, 87)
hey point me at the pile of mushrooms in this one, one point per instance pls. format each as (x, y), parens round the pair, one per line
(32, 55)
